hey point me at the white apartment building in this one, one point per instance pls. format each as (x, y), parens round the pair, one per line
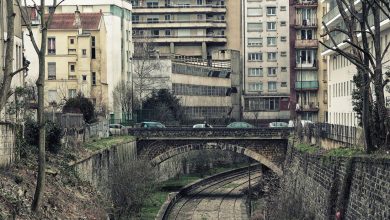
(117, 18)
(341, 71)
(266, 60)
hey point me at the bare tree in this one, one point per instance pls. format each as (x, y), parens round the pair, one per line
(147, 69)
(41, 52)
(365, 22)
(123, 95)
(6, 68)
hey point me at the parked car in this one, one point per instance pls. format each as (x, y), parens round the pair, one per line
(117, 129)
(152, 124)
(278, 124)
(202, 126)
(240, 124)
(291, 123)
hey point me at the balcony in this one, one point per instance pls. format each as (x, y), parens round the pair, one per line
(305, 23)
(308, 107)
(305, 3)
(182, 39)
(306, 85)
(180, 24)
(307, 65)
(306, 43)
(179, 9)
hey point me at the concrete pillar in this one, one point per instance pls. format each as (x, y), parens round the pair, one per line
(172, 47)
(204, 50)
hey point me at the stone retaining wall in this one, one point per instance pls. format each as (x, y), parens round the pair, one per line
(7, 144)
(317, 187)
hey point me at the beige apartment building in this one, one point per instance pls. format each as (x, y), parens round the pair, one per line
(19, 79)
(266, 53)
(76, 59)
(188, 27)
(308, 68)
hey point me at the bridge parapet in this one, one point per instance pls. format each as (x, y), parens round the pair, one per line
(209, 133)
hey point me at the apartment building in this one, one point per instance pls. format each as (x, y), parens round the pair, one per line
(266, 60)
(308, 72)
(341, 71)
(188, 27)
(119, 45)
(19, 79)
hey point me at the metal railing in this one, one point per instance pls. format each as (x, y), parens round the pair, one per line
(179, 21)
(341, 133)
(180, 6)
(306, 85)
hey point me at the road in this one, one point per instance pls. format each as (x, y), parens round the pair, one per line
(221, 199)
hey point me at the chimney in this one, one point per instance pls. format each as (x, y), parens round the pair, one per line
(77, 20)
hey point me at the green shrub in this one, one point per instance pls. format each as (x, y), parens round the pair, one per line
(54, 133)
(80, 104)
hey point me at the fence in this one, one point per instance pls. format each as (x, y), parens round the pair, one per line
(97, 130)
(7, 144)
(67, 120)
(346, 135)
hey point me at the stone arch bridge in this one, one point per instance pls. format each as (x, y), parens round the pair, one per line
(265, 145)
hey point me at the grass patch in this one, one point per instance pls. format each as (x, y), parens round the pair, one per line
(103, 143)
(306, 148)
(343, 152)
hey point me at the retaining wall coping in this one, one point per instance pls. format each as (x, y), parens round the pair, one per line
(96, 153)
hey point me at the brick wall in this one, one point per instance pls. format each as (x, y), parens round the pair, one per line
(316, 187)
(7, 144)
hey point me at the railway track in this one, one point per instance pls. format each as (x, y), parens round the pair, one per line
(221, 198)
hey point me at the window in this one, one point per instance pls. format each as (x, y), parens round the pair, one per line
(271, 26)
(51, 71)
(271, 41)
(271, 11)
(283, 84)
(84, 52)
(167, 17)
(272, 71)
(282, 23)
(283, 53)
(283, 38)
(262, 104)
(271, 86)
(167, 32)
(255, 56)
(271, 56)
(155, 32)
(255, 42)
(254, 12)
(255, 72)
(255, 87)
(71, 40)
(72, 93)
(135, 18)
(93, 78)
(52, 96)
(72, 67)
(84, 77)
(306, 57)
(306, 34)
(255, 27)
(51, 45)
(152, 4)
(93, 47)
(282, 8)
(199, 2)
(283, 69)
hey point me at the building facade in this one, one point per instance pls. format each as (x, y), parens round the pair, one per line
(188, 27)
(341, 71)
(266, 51)
(308, 82)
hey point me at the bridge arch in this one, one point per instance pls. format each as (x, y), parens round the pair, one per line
(165, 155)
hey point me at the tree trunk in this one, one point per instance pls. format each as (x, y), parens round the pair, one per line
(40, 187)
(9, 54)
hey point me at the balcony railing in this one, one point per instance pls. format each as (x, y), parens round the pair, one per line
(178, 21)
(306, 43)
(308, 107)
(300, 22)
(176, 36)
(306, 85)
(305, 3)
(180, 6)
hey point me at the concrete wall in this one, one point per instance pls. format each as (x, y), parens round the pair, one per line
(316, 187)
(7, 144)
(95, 169)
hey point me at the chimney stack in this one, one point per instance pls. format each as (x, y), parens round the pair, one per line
(77, 20)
